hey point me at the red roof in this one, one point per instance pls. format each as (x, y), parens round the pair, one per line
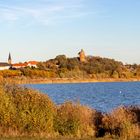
(33, 62)
(25, 64)
(20, 65)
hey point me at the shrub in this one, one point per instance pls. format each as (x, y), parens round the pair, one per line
(123, 122)
(10, 73)
(76, 120)
(7, 110)
(26, 110)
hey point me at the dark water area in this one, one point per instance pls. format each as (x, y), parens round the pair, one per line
(101, 96)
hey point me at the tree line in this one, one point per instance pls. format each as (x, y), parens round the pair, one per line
(63, 67)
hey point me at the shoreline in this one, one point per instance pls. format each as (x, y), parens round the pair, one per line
(66, 80)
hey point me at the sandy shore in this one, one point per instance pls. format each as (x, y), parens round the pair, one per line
(65, 80)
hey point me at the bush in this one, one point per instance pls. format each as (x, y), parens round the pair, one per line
(10, 73)
(7, 110)
(25, 110)
(123, 122)
(76, 120)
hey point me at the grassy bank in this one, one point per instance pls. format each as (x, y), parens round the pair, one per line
(28, 80)
(26, 112)
(37, 138)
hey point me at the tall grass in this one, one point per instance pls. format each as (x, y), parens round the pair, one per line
(26, 112)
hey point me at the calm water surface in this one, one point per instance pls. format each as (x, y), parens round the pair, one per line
(101, 96)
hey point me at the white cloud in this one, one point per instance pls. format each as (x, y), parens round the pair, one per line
(7, 15)
(44, 13)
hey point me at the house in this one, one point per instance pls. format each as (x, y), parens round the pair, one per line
(31, 64)
(4, 66)
(8, 64)
(19, 65)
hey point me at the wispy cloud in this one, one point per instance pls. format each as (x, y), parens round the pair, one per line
(42, 11)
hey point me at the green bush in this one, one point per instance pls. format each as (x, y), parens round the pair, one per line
(7, 110)
(25, 110)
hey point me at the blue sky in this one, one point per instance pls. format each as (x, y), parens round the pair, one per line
(42, 29)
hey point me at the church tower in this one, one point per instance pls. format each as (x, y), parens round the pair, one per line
(9, 59)
(82, 56)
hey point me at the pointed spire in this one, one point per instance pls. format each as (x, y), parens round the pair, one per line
(9, 59)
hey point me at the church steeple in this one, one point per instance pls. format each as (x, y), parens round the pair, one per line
(9, 59)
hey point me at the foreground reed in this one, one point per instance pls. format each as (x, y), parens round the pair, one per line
(26, 112)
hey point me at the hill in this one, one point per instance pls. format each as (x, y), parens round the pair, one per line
(93, 67)
(61, 67)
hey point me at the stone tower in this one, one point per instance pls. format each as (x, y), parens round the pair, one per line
(9, 59)
(82, 56)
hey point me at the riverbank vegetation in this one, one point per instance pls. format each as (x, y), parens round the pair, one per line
(61, 67)
(26, 112)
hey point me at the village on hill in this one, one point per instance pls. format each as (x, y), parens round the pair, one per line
(9, 65)
(80, 67)
(32, 64)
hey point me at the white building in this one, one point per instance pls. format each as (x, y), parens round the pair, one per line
(32, 64)
(4, 66)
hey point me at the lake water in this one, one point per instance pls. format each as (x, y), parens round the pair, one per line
(101, 96)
